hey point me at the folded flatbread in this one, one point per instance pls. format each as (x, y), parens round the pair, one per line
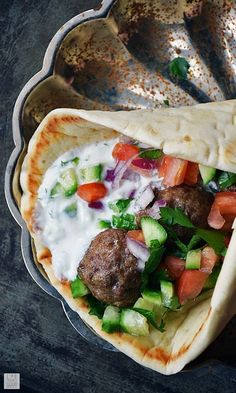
(205, 134)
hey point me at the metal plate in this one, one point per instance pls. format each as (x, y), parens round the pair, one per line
(117, 58)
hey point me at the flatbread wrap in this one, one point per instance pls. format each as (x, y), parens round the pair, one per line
(131, 216)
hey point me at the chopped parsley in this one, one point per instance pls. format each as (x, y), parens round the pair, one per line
(74, 161)
(120, 206)
(151, 154)
(124, 221)
(97, 308)
(175, 216)
(104, 224)
(226, 179)
(179, 67)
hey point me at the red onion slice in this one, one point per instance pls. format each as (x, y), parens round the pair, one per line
(159, 203)
(120, 169)
(145, 198)
(140, 265)
(96, 205)
(122, 166)
(154, 211)
(131, 175)
(110, 175)
(132, 194)
(145, 163)
(138, 249)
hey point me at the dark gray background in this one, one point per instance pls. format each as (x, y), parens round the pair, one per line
(36, 339)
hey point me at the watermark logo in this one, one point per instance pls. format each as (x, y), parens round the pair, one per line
(11, 381)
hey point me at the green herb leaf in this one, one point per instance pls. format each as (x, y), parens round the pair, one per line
(227, 179)
(161, 327)
(151, 317)
(161, 274)
(215, 239)
(166, 102)
(193, 242)
(74, 161)
(151, 264)
(154, 259)
(179, 244)
(97, 308)
(175, 216)
(174, 303)
(104, 224)
(152, 154)
(120, 206)
(179, 67)
(124, 221)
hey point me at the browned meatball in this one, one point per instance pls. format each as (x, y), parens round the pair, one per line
(194, 201)
(109, 270)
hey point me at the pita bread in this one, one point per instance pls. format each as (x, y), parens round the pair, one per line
(206, 134)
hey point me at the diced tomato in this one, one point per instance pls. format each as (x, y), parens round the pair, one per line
(92, 192)
(175, 266)
(124, 152)
(215, 219)
(226, 201)
(208, 259)
(190, 284)
(173, 170)
(192, 172)
(136, 235)
(223, 210)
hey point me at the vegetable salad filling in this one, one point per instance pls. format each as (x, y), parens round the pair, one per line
(136, 232)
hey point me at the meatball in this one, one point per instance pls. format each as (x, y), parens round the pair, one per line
(194, 201)
(109, 270)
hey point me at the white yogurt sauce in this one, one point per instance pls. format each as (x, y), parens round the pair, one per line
(67, 237)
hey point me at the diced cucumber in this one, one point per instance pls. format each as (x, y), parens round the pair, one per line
(56, 191)
(152, 230)
(134, 323)
(212, 278)
(207, 173)
(169, 298)
(91, 173)
(111, 319)
(143, 303)
(78, 288)
(68, 180)
(71, 210)
(193, 260)
(153, 297)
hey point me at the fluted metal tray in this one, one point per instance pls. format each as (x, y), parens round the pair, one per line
(116, 58)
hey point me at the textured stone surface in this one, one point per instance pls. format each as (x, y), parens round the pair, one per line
(35, 337)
